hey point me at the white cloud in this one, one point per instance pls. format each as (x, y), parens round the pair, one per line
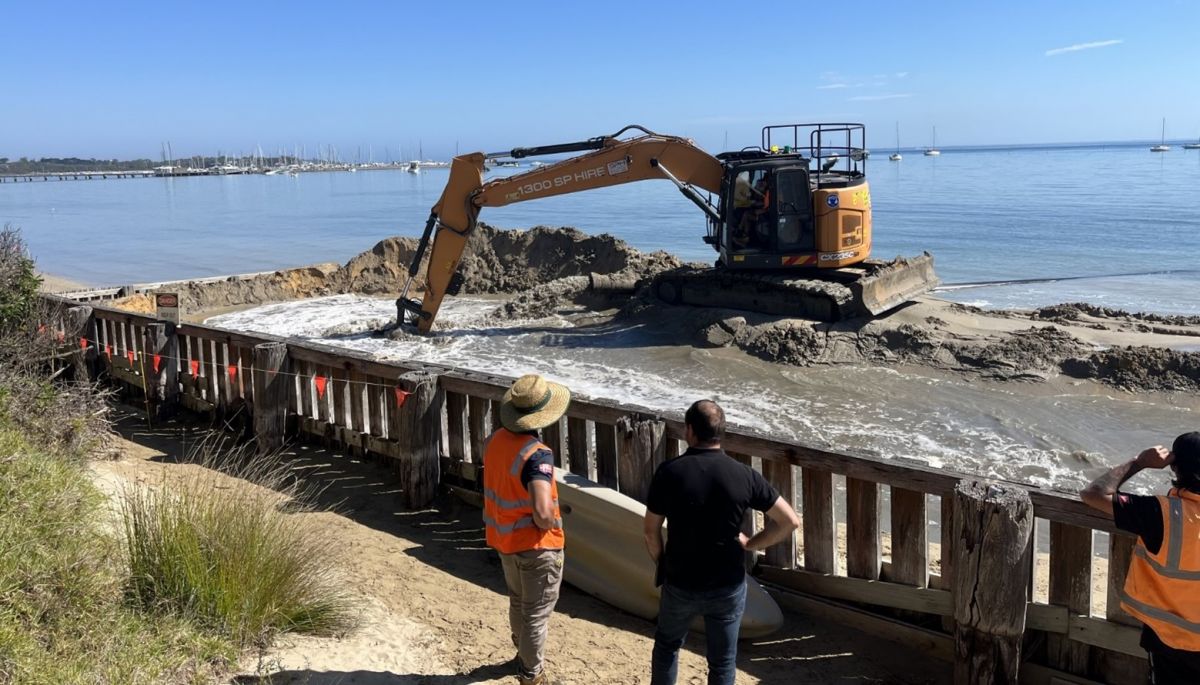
(1083, 46)
(901, 74)
(833, 86)
(874, 98)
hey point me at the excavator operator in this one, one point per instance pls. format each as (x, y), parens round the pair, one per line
(747, 229)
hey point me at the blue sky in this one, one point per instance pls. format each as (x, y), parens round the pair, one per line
(115, 79)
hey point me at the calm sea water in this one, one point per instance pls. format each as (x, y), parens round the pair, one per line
(1090, 215)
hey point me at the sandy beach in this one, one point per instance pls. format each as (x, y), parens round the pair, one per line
(433, 609)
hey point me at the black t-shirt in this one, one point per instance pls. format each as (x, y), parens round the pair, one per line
(1142, 516)
(704, 494)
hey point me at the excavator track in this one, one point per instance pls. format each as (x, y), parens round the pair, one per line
(867, 289)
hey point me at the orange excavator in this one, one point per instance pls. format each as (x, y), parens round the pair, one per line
(791, 223)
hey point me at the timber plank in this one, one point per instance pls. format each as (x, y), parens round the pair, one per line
(820, 531)
(863, 553)
(910, 537)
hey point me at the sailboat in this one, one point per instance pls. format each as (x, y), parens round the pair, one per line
(1162, 146)
(895, 156)
(932, 150)
(1192, 146)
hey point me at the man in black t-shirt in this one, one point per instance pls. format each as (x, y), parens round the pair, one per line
(703, 495)
(1163, 586)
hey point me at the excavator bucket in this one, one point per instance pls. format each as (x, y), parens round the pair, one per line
(888, 285)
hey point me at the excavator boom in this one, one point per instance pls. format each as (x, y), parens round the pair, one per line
(611, 161)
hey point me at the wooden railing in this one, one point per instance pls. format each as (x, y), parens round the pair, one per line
(867, 553)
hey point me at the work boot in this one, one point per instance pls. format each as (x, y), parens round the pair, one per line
(542, 678)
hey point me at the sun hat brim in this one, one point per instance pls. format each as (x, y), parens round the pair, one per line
(519, 421)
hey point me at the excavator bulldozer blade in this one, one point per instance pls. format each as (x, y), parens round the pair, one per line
(888, 285)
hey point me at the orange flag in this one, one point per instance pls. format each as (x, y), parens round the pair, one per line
(320, 381)
(401, 396)
(83, 343)
(129, 355)
(195, 364)
(232, 372)
(157, 362)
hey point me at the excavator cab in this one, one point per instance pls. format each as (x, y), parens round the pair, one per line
(799, 200)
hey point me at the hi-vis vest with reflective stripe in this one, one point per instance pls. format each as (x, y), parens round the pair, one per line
(1163, 590)
(507, 512)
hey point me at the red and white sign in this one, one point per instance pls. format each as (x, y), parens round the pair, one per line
(167, 306)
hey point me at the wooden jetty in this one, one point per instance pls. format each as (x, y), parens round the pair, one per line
(74, 176)
(965, 592)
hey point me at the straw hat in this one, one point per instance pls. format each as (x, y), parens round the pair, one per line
(532, 403)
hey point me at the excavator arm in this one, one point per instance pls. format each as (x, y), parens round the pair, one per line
(607, 161)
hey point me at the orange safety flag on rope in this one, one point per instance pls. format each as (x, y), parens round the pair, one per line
(232, 371)
(320, 381)
(108, 352)
(83, 343)
(157, 362)
(401, 396)
(129, 355)
(195, 364)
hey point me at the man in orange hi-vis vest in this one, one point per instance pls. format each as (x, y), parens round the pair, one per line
(522, 518)
(1163, 586)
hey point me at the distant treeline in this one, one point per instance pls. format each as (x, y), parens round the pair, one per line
(68, 164)
(57, 164)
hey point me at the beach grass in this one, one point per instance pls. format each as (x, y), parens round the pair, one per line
(233, 555)
(64, 616)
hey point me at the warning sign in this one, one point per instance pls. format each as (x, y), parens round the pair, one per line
(167, 306)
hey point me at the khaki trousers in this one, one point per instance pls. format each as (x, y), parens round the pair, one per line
(533, 580)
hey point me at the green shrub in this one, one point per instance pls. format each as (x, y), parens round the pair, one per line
(233, 558)
(19, 281)
(63, 617)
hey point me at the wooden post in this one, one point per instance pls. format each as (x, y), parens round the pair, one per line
(641, 450)
(781, 475)
(862, 529)
(606, 455)
(479, 426)
(992, 528)
(416, 427)
(270, 395)
(1070, 586)
(910, 538)
(578, 446)
(162, 384)
(456, 426)
(553, 437)
(749, 524)
(820, 531)
(78, 325)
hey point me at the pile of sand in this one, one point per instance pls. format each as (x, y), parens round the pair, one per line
(495, 261)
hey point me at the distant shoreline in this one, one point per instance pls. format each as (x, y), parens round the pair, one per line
(985, 147)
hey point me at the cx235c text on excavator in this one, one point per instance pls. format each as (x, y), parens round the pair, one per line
(791, 223)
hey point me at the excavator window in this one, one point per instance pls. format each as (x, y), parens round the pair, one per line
(794, 230)
(750, 210)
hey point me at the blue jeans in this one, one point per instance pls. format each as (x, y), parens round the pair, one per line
(722, 611)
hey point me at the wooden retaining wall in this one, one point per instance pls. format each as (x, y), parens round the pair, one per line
(881, 566)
